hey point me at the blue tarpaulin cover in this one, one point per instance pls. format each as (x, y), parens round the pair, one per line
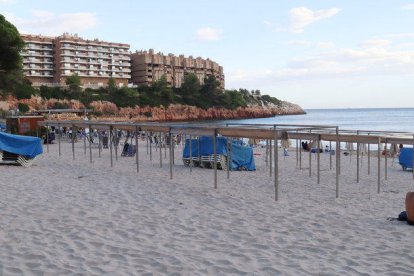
(28, 146)
(241, 157)
(406, 157)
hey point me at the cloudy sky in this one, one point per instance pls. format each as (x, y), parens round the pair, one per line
(319, 54)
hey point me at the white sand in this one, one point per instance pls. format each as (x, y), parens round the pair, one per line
(67, 217)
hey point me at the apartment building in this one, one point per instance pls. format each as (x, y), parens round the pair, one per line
(148, 67)
(38, 59)
(50, 60)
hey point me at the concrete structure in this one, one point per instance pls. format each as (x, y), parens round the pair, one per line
(50, 60)
(148, 67)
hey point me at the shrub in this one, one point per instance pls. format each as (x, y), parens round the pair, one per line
(60, 105)
(23, 108)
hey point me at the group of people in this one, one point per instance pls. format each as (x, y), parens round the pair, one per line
(306, 146)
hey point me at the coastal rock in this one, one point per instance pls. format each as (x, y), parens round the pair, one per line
(190, 113)
(109, 111)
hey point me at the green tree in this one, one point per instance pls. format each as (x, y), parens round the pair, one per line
(233, 99)
(87, 96)
(124, 97)
(190, 89)
(145, 97)
(74, 84)
(162, 92)
(51, 92)
(111, 84)
(45, 92)
(10, 46)
(23, 108)
(23, 90)
(211, 93)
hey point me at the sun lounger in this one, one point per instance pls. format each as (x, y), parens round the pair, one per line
(128, 150)
(19, 150)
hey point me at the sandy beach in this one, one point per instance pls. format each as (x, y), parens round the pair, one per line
(72, 217)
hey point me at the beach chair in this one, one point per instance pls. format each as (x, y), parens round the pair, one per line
(8, 158)
(19, 150)
(128, 150)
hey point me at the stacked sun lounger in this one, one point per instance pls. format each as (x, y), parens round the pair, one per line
(19, 150)
(128, 150)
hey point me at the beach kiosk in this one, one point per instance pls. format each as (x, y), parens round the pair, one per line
(23, 124)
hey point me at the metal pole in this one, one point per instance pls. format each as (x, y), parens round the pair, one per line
(228, 157)
(337, 163)
(47, 137)
(116, 142)
(386, 161)
(147, 138)
(171, 157)
(330, 155)
(59, 138)
(369, 158)
(159, 145)
(84, 141)
(358, 145)
(136, 148)
(99, 143)
(110, 145)
(310, 160)
(150, 149)
(379, 165)
(173, 150)
(90, 143)
(270, 157)
(276, 172)
(199, 156)
(191, 153)
(297, 153)
(267, 153)
(165, 145)
(300, 155)
(73, 141)
(319, 161)
(215, 158)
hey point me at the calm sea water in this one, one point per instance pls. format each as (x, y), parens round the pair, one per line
(393, 119)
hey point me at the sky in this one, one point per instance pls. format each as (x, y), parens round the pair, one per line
(316, 53)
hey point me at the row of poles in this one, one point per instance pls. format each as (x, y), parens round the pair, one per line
(273, 171)
(149, 151)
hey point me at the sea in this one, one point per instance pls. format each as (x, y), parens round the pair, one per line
(383, 119)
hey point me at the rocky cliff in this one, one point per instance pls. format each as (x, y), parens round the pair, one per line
(176, 112)
(191, 113)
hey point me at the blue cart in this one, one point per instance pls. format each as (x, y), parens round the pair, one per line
(406, 158)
